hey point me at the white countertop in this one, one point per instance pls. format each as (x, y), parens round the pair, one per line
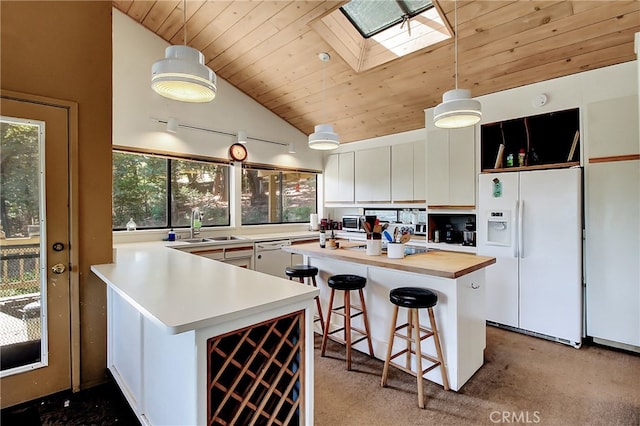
(183, 292)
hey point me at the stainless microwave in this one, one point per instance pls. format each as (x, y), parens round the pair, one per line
(352, 223)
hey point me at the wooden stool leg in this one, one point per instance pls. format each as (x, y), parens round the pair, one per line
(318, 306)
(409, 337)
(392, 335)
(416, 323)
(436, 336)
(327, 324)
(366, 321)
(347, 326)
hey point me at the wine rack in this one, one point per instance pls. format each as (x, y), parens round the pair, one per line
(255, 375)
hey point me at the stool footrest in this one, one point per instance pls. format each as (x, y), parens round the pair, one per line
(436, 362)
(336, 311)
(414, 373)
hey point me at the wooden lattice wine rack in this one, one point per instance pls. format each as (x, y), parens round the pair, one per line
(255, 375)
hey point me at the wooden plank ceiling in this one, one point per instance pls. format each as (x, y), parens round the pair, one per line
(268, 50)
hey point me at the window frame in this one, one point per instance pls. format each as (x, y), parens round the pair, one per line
(401, 4)
(280, 170)
(168, 190)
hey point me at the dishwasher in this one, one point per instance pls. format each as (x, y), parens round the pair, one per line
(270, 259)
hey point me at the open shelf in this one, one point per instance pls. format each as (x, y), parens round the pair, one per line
(537, 167)
(550, 140)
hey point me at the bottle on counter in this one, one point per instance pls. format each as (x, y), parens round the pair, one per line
(323, 237)
(131, 225)
(521, 156)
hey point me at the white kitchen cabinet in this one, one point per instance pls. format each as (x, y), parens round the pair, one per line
(612, 127)
(339, 178)
(451, 173)
(373, 175)
(408, 172)
(612, 252)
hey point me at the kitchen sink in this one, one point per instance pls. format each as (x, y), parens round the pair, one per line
(211, 239)
(196, 240)
(224, 238)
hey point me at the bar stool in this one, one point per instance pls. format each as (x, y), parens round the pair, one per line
(347, 283)
(307, 271)
(414, 298)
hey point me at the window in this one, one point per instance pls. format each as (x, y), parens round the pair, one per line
(277, 196)
(372, 17)
(160, 192)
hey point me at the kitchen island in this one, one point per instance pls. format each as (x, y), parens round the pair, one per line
(191, 339)
(457, 278)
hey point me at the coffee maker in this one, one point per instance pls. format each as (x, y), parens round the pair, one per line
(469, 234)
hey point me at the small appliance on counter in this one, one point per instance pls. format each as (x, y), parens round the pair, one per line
(353, 223)
(421, 229)
(469, 234)
(451, 235)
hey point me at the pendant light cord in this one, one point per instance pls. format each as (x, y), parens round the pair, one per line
(455, 39)
(184, 18)
(324, 94)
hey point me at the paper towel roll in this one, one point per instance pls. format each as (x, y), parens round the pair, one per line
(313, 221)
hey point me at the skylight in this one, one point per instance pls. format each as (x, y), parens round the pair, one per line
(372, 17)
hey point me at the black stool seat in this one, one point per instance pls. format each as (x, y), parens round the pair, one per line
(301, 271)
(347, 282)
(413, 297)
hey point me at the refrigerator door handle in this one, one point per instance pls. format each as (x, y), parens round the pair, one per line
(520, 229)
(515, 227)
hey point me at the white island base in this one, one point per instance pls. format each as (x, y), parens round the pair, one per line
(459, 313)
(167, 377)
(193, 341)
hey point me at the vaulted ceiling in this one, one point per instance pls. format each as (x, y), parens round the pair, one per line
(269, 50)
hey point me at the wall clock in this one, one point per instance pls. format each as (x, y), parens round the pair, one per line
(238, 152)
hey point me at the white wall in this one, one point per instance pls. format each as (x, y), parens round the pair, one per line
(135, 49)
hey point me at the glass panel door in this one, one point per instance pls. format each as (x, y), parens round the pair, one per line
(23, 285)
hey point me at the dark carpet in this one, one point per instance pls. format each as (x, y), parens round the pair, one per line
(100, 405)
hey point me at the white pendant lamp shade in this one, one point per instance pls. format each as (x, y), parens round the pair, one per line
(183, 76)
(457, 110)
(324, 138)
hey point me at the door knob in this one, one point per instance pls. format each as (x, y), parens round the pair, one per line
(58, 268)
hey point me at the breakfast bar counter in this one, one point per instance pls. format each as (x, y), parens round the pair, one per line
(180, 327)
(457, 278)
(440, 263)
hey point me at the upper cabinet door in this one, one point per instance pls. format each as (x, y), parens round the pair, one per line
(419, 171)
(339, 178)
(462, 170)
(451, 168)
(612, 127)
(373, 175)
(402, 172)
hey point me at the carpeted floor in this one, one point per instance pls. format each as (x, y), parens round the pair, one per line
(525, 380)
(101, 405)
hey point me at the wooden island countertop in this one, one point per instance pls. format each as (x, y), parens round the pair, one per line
(438, 263)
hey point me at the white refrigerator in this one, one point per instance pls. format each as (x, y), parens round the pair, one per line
(531, 222)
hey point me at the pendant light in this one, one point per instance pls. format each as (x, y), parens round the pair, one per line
(323, 137)
(182, 74)
(457, 108)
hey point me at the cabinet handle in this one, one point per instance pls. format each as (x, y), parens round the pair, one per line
(475, 286)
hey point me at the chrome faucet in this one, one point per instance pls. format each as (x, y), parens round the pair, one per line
(196, 222)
